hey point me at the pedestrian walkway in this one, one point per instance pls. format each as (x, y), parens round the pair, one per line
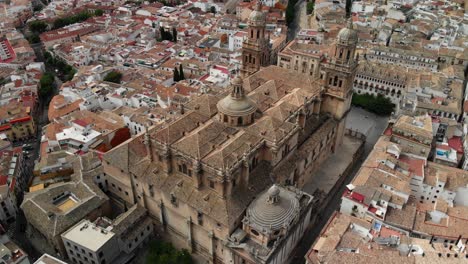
(331, 171)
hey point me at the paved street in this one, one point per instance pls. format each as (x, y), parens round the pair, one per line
(298, 23)
(367, 123)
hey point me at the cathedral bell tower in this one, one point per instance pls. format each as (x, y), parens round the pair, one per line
(255, 49)
(338, 78)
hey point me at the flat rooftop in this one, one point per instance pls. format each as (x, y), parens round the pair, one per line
(48, 259)
(88, 235)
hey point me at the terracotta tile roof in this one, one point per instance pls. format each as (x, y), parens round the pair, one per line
(59, 107)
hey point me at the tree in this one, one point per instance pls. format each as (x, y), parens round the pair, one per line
(113, 76)
(310, 7)
(46, 85)
(33, 39)
(69, 76)
(213, 9)
(165, 253)
(181, 72)
(176, 75)
(162, 33)
(38, 26)
(80, 17)
(174, 34)
(99, 12)
(290, 11)
(375, 104)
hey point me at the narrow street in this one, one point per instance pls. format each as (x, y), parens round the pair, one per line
(300, 20)
(16, 231)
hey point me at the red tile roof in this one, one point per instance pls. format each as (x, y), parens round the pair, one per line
(3, 180)
(358, 197)
(416, 166)
(20, 120)
(388, 131)
(5, 127)
(80, 122)
(9, 49)
(456, 143)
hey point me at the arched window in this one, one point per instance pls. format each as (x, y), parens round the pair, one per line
(239, 120)
(341, 53)
(335, 81)
(258, 34)
(348, 55)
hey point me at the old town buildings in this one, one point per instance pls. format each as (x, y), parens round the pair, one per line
(198, 174)
(400, 205)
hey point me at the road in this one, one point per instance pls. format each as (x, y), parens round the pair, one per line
(301, 20)
(16, 231)
(366, 123)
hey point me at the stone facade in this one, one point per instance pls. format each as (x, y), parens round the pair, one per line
(196, 176)
(255, 49)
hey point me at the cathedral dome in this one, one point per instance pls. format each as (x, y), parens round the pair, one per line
(273, 210)
(236, 104)
(236, 107)
(257, 17)
(347, 35)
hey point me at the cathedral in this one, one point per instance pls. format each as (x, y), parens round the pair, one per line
(224, 179)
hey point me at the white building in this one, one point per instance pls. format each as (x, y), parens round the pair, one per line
(407, 58)
(48, 259)
(78, 136)
(236, 40)
(108, 242)
(91, 243)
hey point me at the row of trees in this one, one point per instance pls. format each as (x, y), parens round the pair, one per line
(179, 74)
(379, 104)
(310, 7)
(290, 11)
(165, 253)
(80, 17)
(38, 26)
(65, 71)
(46, 85)
(166, 35)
